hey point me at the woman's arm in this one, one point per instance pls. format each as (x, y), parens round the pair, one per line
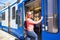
(34, 22)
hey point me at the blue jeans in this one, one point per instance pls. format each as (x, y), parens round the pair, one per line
(31, 34)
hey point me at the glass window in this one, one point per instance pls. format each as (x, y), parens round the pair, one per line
(3, 16)
(8, 18)
(13, 13)
(18, 1)
(0, 17)
(51, 16)
(19, 17)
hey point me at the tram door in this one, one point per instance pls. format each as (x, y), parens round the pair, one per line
(0, 21)
(5, 20)
(51, 21)
(20, 14)
(35, 8)
(51, 17)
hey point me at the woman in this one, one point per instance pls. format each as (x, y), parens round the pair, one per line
(30, 26)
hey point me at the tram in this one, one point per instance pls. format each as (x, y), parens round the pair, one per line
(13, 17)
(51, 21)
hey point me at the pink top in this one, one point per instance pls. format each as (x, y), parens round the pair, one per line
(30, 24)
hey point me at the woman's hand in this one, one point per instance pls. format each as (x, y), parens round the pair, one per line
(41, 17)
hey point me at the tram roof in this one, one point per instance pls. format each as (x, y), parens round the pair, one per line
(10, 6)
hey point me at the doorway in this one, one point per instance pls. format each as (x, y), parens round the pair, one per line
(35, 8)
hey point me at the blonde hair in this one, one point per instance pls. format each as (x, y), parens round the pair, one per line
(27, 13)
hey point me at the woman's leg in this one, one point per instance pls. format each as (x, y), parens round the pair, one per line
(27, 38)
(32, 34)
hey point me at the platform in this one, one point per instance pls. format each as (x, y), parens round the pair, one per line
(6, 36)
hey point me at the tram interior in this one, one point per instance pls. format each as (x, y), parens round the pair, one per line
(35, 8)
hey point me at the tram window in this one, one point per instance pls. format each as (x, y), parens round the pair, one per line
(13, 13)
(0, 17)
(3, 16)
(51, 19)
(53, 24)
(18, 1)
(19, 17)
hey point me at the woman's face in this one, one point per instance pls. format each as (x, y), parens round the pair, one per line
(29, 14)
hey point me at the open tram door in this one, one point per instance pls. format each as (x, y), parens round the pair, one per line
(35, 7)
(50, 23)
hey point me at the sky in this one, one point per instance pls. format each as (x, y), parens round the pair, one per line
(2, 2)
(5, 1)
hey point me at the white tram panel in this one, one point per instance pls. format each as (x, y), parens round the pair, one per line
(13, 21)
(5, 22)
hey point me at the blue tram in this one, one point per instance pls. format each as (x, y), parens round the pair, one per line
(12, 18)
(51, 21)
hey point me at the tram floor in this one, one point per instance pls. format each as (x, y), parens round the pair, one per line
(6, 36)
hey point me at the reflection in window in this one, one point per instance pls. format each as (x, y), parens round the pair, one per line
(52, 16)
(3, 16)
(53, 23)
(13, 13)
(19, 17)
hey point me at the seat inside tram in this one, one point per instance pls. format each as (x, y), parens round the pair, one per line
(35, 8)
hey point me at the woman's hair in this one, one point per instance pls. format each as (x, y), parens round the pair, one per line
(27, 13)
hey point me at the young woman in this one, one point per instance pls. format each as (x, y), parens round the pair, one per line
(30, 27)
